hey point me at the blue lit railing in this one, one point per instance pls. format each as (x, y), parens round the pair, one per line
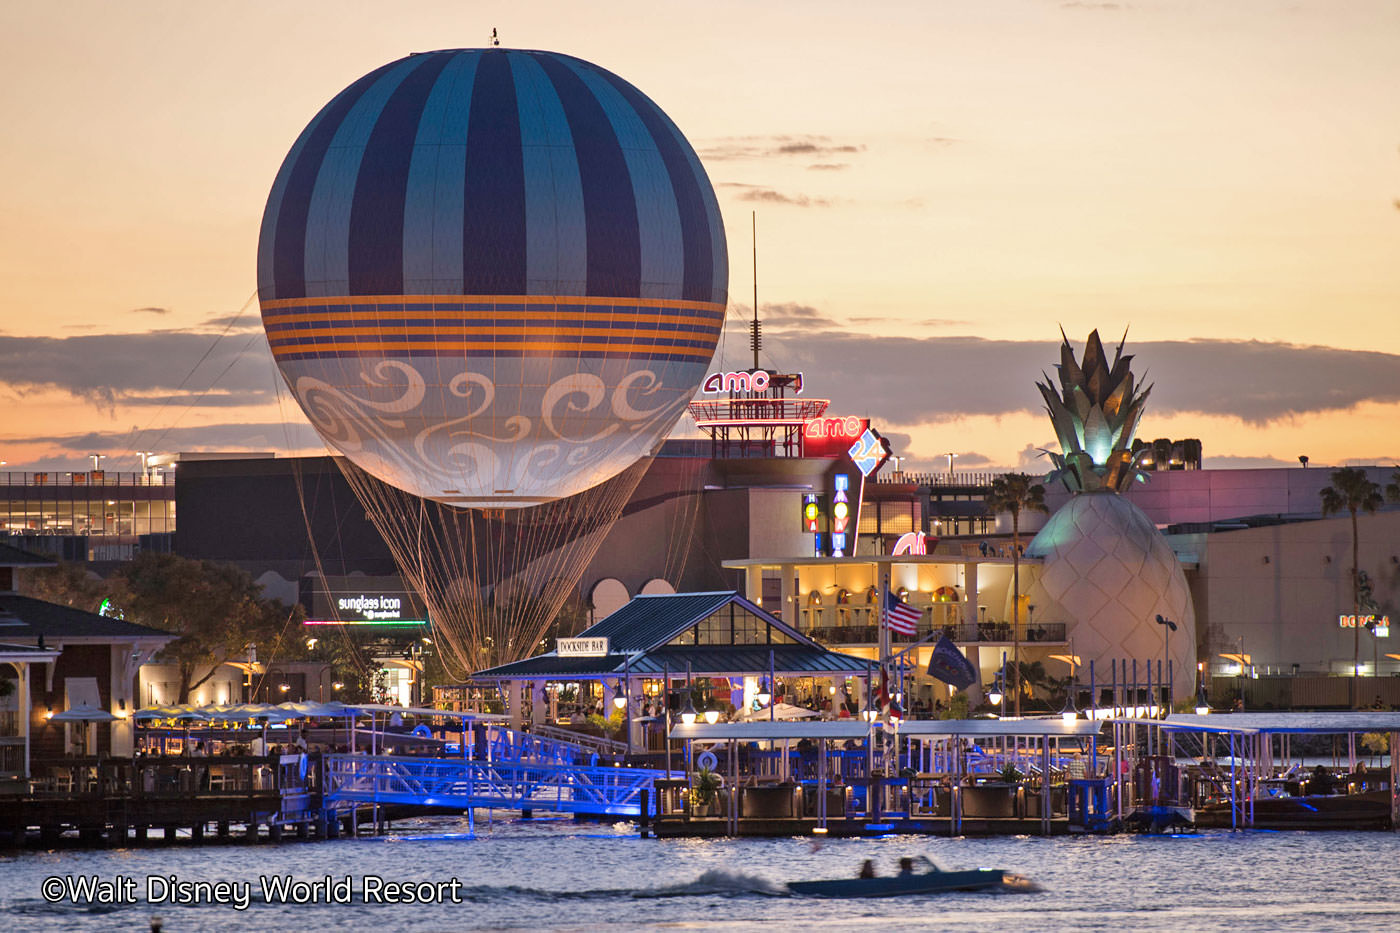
(448, 782)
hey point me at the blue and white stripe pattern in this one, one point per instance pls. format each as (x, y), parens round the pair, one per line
(492, 172)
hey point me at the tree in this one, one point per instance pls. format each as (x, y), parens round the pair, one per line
(1352, 491)
(67, 584)
(1015, 493)
(215, 609)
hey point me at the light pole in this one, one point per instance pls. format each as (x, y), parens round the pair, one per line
(1168, 626)
(950, 455)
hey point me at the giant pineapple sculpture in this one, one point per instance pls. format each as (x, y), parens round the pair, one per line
(1106, 569)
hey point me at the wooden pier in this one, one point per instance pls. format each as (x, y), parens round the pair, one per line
(118, 801)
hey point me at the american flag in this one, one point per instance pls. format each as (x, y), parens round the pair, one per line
(900, 616)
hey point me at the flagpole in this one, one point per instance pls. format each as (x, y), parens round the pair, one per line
(885, 622)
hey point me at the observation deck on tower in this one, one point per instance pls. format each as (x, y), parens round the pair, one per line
(755, 414)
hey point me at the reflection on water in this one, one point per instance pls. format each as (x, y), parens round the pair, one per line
(560, 875)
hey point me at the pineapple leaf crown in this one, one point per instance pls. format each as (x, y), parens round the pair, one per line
(1095, 412)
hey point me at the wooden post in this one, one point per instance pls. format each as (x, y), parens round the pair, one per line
(1395, 781)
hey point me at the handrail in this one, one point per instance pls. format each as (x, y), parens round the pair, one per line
(467, 783)
(598, 743)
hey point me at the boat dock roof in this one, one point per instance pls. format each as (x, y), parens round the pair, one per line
(1270, 723)
(764, 730)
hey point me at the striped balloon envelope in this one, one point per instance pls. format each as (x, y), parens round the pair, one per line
(492, 277)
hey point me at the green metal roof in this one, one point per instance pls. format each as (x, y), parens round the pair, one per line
(651, 620)
(638, 634)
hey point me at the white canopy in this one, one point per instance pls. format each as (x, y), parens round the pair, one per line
(83, 712)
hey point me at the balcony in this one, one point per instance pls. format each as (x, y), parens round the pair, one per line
(984, 633)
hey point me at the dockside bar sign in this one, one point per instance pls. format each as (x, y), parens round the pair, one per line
(581, 647)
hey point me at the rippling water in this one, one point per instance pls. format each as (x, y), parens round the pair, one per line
(560, 875)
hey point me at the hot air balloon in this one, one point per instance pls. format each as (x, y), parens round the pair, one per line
(492, 279)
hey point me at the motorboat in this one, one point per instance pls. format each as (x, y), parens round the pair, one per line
(921, 877)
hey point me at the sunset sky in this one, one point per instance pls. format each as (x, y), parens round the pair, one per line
(940, 187)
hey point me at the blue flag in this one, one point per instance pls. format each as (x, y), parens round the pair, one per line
(949, 665)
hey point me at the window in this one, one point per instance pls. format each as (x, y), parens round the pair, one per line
(715, 629)
(749, 629)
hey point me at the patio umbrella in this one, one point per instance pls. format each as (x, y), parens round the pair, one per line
(83, 712)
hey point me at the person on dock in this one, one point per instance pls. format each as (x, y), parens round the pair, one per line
(1321, 781)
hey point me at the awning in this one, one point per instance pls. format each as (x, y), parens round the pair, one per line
(1317, 723)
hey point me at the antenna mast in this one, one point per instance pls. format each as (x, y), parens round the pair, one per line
(755, 329)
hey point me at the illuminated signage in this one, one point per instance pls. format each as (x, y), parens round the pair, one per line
(812, 511)
(360, 601)
(1379, 626)
(831, 437)
(840, 514)
(869, 451)
(581, 647)
(755, 381)
(911, 542)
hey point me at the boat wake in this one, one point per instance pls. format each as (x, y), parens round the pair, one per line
(719, 882)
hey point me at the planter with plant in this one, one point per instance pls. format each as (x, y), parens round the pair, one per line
(704, 791)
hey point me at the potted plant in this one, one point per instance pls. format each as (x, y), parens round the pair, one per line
(704, 791)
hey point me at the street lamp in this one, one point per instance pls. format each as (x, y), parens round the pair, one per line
(1168, 626)
(1070, 713)
(688, 707)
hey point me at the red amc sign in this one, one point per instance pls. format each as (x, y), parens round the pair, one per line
(832, 437)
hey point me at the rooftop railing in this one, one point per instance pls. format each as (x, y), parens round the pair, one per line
(982, 632)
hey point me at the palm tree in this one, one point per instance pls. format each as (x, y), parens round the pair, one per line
(1015, 493)
(1392, 488)
(1352, 491)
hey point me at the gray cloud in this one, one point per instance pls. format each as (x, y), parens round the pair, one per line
(764, 195)
(909, 379)
(925, 322)
(72, 449)
(764, 147)
(151, 310)
(1080, 5)
(776, 316)
(828, 166)
(112, 369)
(240, 323)
(1245, 463)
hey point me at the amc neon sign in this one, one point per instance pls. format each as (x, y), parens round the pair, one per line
(848, 428)
(755, 381)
